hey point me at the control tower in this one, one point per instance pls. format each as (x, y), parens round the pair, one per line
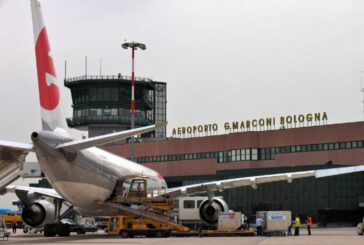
(101, 103)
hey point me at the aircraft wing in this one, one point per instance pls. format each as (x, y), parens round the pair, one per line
(108, 138)
(254, 181)
(13, 151)
(12, 157)
(36, 190)
(15, 146)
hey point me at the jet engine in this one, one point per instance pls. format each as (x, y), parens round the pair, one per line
(39, 213)
(209, 210)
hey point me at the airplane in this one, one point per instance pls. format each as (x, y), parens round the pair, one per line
(85, 177)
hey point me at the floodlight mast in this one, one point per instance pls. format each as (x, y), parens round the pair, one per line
(134, 46)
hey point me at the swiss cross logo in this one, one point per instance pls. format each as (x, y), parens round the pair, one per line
(48, 90)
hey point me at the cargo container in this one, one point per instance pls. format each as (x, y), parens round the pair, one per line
(276, 223)
(229, 221)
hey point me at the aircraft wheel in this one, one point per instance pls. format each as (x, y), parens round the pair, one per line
(50, 230)
(124, 234)
(159, 234)
(64, 230)
(167, 233)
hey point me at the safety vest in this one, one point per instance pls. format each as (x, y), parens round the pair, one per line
(309, 221)
(297, 222)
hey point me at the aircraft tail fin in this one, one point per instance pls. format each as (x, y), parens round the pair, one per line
(49, 92)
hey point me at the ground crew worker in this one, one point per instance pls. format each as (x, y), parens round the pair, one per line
(309, 223)
(259, 225)
(13, 224)
(297, 225)
(289, 229)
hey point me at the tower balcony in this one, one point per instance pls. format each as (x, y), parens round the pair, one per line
(115, 120)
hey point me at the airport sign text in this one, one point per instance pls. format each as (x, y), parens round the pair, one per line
(268, 123)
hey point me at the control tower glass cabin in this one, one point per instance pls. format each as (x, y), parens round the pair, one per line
(101, 104)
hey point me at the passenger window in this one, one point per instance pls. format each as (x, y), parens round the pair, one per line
(188, 204)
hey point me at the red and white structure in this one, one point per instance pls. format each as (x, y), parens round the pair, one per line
(134, 46)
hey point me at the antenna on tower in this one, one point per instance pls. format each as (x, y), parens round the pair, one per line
(85, 66)
(100, 66)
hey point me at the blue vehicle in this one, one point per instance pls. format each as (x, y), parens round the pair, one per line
(5, 210)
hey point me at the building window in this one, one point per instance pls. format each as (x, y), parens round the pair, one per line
(247, 154)
(243, 154)
(262, 154)
(233, 155)
(268, 154)
(238, 155)
(254, 154)
(288, 149)
(114, 112)
(107, 112)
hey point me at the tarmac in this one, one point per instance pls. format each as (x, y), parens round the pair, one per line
(320, 236)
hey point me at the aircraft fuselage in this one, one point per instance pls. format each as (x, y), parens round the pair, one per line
(87, 176)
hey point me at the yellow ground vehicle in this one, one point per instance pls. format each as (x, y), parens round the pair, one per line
(10, 216)
(131, 225)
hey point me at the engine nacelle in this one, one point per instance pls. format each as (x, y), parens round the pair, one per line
(39, 213)
(209, 211)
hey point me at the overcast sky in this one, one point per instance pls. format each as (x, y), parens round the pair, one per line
(222, 60)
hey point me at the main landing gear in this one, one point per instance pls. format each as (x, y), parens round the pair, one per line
(57, 228)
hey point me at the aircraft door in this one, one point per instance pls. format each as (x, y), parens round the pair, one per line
(138, 188)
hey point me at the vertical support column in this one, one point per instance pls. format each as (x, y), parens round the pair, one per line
(132, 110)
(134, 46)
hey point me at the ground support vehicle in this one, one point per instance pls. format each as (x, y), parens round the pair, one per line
(10, 216)
(132, 226)
(101, 222)
(275, 223)
(151, 218)
(82, 226)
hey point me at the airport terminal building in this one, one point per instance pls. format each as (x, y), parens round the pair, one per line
(191, 160)
(246, 148)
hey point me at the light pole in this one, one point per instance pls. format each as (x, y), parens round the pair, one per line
(134, 46)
